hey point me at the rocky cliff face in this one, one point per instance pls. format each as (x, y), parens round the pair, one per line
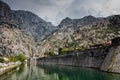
(20, 31)
(34, 25)
(112, 60)
(13, 41)
(77, 33)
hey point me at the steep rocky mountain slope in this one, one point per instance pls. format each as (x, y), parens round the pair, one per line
(81, 33)
(34, 25)
(14, 41)
(20, 31)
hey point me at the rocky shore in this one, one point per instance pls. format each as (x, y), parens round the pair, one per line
(6, 67)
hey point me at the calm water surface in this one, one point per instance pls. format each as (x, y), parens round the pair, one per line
(32, 72)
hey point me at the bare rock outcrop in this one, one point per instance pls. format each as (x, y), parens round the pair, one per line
(14, 41)
(112, 60)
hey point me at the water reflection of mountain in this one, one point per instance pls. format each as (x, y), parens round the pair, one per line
(32, 72)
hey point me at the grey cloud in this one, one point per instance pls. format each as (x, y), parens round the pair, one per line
(43, 2)
(56, 10)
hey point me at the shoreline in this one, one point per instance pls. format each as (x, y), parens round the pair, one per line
(9, 68)
(104, 59)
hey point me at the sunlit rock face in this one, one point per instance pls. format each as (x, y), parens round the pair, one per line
(34, 25)
(21, 31)
(13, 41)
(112, 61)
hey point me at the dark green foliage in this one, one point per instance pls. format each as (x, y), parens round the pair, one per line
(62, 50)
(81, 48)
(50, 53)
(19, 57)
(1, 60)
(12, 58)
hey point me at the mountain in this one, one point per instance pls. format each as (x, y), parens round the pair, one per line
(78, 22)
(21, 31)
(14, 41)
(81, 33)
(34, 25)
(24, 32)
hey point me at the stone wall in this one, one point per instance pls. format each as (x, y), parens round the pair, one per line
(88, 58)
(106, 59)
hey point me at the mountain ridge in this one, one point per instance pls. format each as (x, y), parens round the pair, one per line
(74, 35)
(35, 26)
(70, 33)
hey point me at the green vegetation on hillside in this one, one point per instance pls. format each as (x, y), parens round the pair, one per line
(62, 51)
(50, 53)
(19, 57)
(1, 60)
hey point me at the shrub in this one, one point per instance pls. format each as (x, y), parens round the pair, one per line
(1, 60)
(19, 57)
(81, 48)
(12, 58)
(51, 53)
(62, 50)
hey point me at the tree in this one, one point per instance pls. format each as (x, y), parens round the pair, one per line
(61, 50)
(20, 57)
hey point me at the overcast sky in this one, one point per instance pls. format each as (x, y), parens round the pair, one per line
(56, 10)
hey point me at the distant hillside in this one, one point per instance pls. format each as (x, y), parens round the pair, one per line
(81, 33)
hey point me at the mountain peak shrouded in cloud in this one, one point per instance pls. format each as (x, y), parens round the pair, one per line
(56, 10)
